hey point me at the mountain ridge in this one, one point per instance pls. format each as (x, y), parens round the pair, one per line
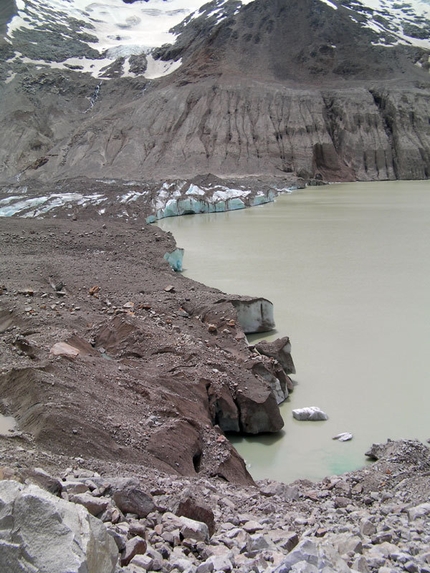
(276, 89)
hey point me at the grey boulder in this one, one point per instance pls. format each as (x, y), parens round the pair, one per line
(31, 518)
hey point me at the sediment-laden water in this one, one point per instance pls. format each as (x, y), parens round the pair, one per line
(348, 270)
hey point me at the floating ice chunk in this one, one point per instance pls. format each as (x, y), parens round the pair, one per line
(310, 413)
(343, 437)
(254, 314)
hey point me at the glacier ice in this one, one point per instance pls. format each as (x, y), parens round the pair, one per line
(175, 259)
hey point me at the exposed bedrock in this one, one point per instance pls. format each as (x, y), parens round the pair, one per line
(249, 128)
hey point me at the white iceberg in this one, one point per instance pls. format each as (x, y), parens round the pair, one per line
(311, 413)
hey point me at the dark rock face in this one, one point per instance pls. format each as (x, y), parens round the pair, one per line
(297, 41)
(280, 350)
(7, 11)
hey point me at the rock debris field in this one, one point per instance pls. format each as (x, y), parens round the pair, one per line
(376, 519)
(121, 377)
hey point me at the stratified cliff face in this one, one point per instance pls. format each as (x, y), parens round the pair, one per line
(179, 131)
(276, 88)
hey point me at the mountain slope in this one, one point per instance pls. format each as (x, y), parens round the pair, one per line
(272, 88)
(304, 41)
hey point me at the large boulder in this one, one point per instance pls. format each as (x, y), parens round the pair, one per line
(31, 518)
(194, 508)
(311, 556)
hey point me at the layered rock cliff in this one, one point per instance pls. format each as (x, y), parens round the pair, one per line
(360, 133)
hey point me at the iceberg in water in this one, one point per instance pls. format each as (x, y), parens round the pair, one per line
(175, 259)
(311, 413)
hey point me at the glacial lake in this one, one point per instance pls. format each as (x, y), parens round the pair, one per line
(347, 267)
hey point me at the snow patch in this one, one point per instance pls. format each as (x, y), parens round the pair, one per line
(398, 15)
(132, 196)
(160, 68)
(330, 4)
(36, 206)
(230, 194)
(121, 29)
(194, 190)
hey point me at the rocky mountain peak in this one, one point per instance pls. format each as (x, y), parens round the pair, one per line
(303, 41)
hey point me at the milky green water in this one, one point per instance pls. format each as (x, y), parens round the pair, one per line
(348, 270)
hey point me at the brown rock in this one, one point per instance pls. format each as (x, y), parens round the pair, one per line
(280, 349)
(287, 540)
(258, 409)
(136, 528)
(196, 509)
(135, 546)
(340, 502)
(179, 446)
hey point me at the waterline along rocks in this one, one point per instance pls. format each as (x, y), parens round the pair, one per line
(108, 352)
(121, 374)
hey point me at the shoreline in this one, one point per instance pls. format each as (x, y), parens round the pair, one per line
(91, 283)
